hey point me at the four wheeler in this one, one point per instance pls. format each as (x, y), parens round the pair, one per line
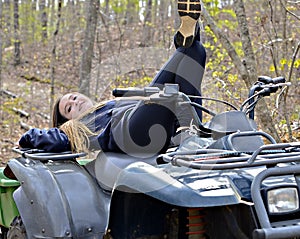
(224, 180)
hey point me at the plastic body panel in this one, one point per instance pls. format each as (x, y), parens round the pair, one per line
(8, 209)
(136, 178)
(59, 200)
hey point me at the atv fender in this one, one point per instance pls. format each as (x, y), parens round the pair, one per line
(59, 200)
(108, 165)
(140, 177)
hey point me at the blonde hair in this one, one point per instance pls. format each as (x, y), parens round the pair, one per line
(78, 132)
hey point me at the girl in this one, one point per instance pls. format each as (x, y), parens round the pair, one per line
(130, 126)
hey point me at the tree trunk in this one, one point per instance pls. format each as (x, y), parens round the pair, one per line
(163, 14)
(33, 26)
(43, 19)
(98, 79)
(52, 14)
(88, 47)
(131, 14)
(106, 8)
(147, 25)
(1, 44)
(247, 66)
(7, 21)
(53, 57)
(17, 44)
(262, 110)
(285, 56)
(250, 61)
(73, 14)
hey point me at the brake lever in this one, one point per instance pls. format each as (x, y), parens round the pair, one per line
(271, 88)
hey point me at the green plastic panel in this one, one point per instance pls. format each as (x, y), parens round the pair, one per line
(8, 209)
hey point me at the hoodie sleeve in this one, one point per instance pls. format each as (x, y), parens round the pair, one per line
(52, 140)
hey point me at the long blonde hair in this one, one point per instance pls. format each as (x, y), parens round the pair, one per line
(78, 131)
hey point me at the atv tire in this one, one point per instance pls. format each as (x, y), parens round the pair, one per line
(17, 229)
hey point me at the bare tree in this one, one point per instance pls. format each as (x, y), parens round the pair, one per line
(32, 13)
(88, 46)
(7, 20)
(131, 14)
(1, 44)
(163, 15)
(146, 41)
(43, 19)
(246, 66)
(283, 48)
(106, 8)
(72, 12)
(51, 21)
(53, 58)
(17, 40)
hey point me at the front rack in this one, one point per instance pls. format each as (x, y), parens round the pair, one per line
(206, 159)
(41, 155)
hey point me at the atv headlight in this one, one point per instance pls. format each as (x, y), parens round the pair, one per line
(281, 200)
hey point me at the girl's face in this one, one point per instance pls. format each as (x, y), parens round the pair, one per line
(74, 104)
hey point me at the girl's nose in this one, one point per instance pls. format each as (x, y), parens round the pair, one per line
(74, 102)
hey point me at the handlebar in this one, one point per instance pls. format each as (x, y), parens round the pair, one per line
(264, 86)
(272, 88)
(170, 92)
(132, 91)
(269, 80)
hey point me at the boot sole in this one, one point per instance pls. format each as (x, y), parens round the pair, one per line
(189, 12)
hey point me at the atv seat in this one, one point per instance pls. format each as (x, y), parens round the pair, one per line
(108, 165)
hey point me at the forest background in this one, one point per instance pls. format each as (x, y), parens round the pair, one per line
(48, 48)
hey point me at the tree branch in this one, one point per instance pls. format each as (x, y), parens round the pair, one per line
(227, 45)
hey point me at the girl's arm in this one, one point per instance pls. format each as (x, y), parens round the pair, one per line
(52, 140)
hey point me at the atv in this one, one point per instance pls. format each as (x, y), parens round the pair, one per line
(223, 179)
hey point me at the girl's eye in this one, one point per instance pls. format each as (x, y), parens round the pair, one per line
(69, 109)
(75, 97)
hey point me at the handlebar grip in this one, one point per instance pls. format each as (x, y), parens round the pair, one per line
(269, 91)
(118, 92)
(279, 79)
(265, 79)
(133, 91)
(269, 80)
